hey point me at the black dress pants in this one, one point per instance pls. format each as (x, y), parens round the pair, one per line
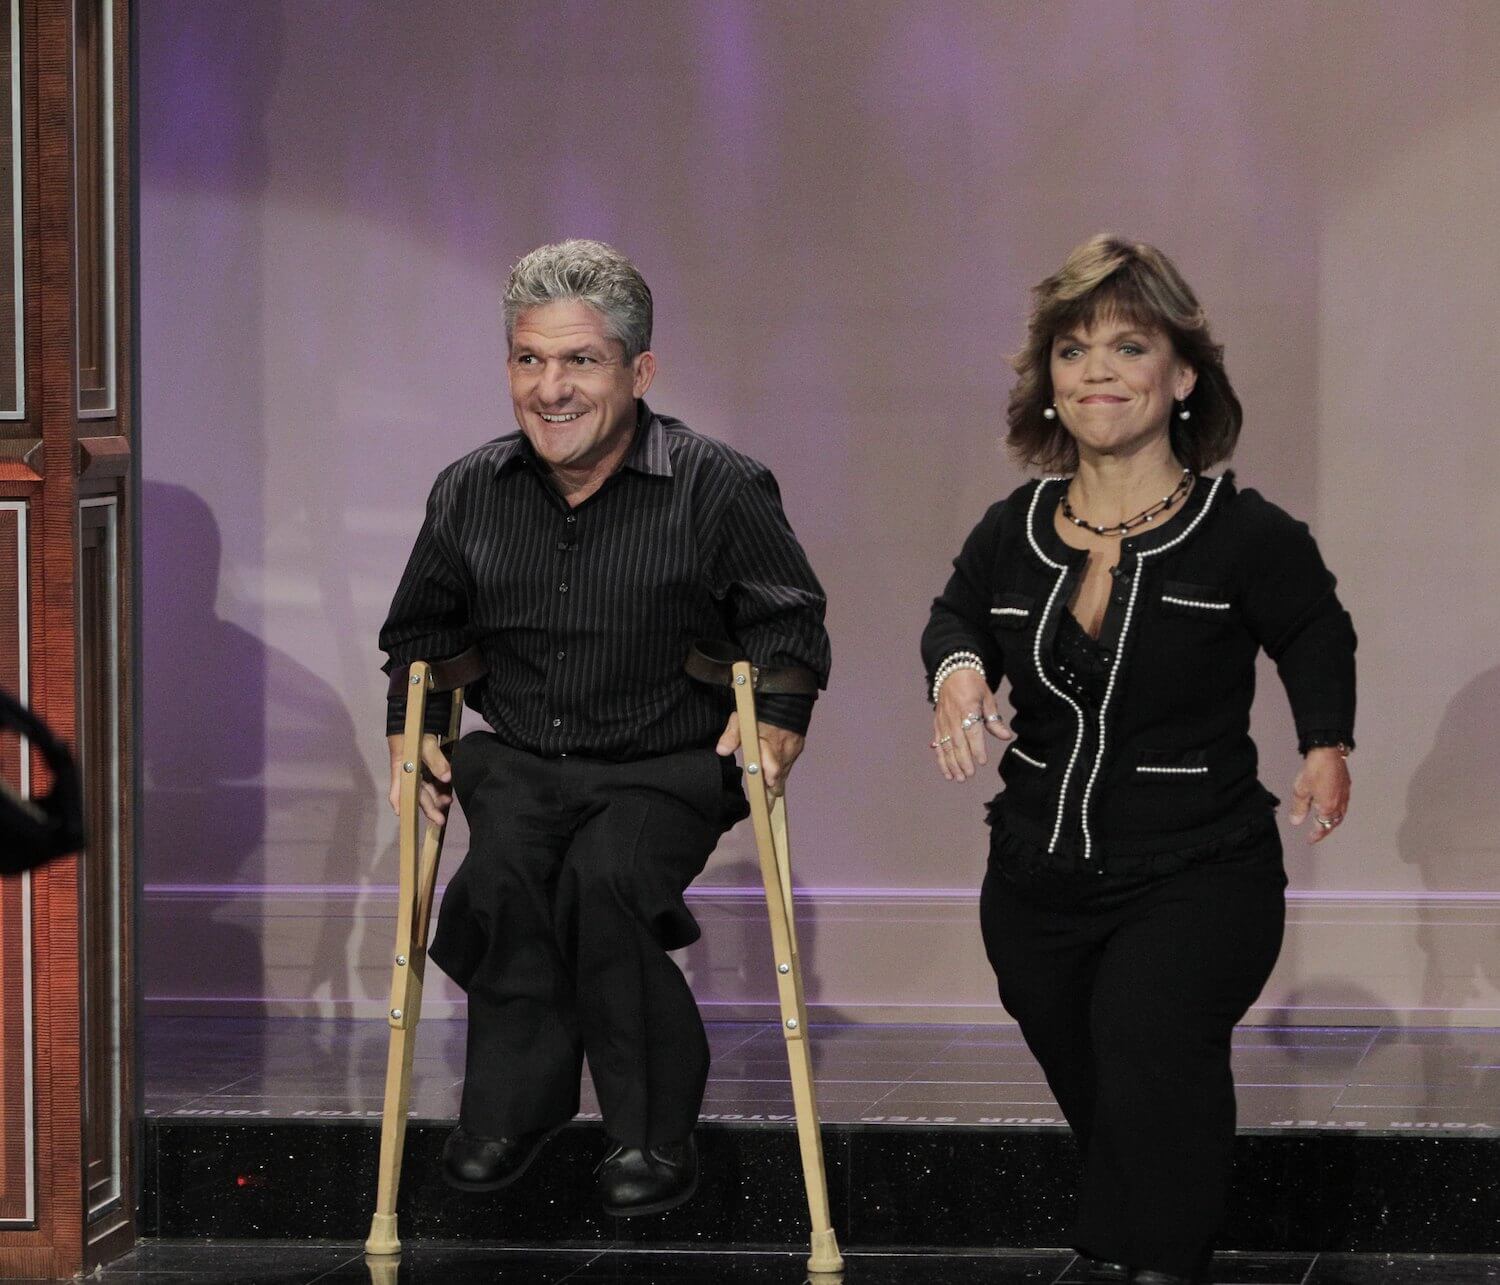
(557, 925)
(1127, 988)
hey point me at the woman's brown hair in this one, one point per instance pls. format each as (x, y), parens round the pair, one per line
(1138, 284)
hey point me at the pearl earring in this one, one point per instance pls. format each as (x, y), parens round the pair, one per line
(1050, 412)
(1184, 413)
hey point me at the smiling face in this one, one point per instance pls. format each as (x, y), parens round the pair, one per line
(1114, 383)
(573, 391)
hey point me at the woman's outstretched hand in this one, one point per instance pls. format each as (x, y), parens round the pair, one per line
(1322, 789)
(965, 714)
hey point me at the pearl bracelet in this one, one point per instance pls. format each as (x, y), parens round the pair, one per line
(958, 660)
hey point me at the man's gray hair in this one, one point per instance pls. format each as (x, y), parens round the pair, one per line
(592, 273)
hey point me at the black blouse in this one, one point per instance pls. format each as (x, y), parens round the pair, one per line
(1082, 661)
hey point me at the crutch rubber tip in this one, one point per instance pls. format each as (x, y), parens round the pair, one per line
(825, 1253)
(382, 1239)
(384, 1269)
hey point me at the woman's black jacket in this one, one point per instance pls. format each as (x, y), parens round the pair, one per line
(1166, 762)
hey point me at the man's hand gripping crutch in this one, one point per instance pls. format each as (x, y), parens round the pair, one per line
(718, 663)
(415, 756)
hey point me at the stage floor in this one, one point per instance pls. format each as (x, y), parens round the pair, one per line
(269, 1263)
(1398, 1080)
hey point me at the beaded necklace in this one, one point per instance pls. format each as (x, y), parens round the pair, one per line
(1140, 519)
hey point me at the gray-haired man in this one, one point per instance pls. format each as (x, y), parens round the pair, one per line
(584, 555)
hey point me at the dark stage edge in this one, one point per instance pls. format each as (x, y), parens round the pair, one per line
(278, 1263)
(891, 1187)
(1356, 1139)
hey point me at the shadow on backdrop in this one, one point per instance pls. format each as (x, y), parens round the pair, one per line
(248, 755)
(1449, 834)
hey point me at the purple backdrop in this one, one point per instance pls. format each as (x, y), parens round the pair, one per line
(840, 210)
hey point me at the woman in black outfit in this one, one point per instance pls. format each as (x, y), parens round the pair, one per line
(1133, 904)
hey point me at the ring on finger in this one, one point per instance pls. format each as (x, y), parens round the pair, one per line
(945, 740)
(1327, 823)
(992, 718)
(969, 720)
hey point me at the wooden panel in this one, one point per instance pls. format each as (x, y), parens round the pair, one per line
(106, 464)
(76, 233)
(12, 337)
(56, 1248)
(103, 457)
(12, 613)
(121, 229)
(17, 1191)
(98, 669)
(94, 202)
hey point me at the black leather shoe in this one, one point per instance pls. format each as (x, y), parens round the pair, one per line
(1101, 1269)
(472, 1163)
(650, 1180)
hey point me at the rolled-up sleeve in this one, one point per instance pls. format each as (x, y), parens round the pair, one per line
(1292, 608)
(773, 603)
(959, 620)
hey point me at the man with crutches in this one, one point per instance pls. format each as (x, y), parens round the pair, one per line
(583, 556)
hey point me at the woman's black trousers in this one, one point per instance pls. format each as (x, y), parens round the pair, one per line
(1127, 988)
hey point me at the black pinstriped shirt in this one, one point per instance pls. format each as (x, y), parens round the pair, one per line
(586, 614)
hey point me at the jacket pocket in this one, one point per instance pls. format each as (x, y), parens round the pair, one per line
(1206, 602)
(1171, 766)
(1021, 756)
(1012, 610)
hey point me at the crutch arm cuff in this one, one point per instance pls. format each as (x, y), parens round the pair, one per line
(456, 671)
(712, 661)
(447, 675)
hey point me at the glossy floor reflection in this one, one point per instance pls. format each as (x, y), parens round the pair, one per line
(270, 1263)
(1378, 1079)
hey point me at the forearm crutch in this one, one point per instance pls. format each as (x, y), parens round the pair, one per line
(420, 854)
(768, 815)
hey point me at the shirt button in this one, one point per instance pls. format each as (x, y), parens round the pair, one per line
(571, 519)
(557, 722)
(564, 545)
(562, 588)
(561, 654)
